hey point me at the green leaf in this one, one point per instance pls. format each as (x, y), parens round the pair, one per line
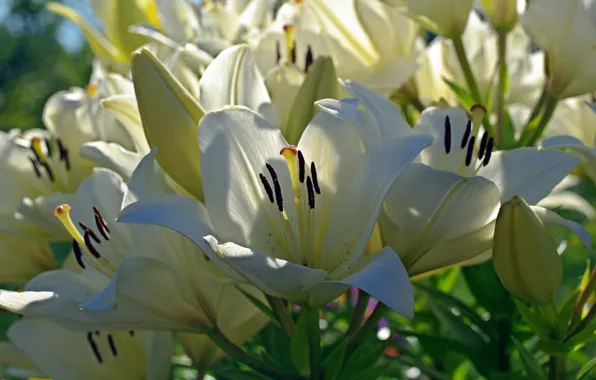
(365, 356)
(368, 373)
(537, 325)
(484, 284)
(333, 362)
(584, 335)
(508, 138)
(460, 330)
(586, 369)
(553, 347)
(463, 95)
(260, 305)
(566, 312)
(459, 305)
(277, 345)
(299, 345)
(532, 367)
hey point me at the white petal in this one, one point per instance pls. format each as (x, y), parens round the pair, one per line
(570, 201)
(273, 276)
(552, 219)
(111, 156)
(346, 174)
(147, 180)
(236, 144)
(384, 277)
(527, 172)
(233, 79)
(65, 354)
(427, 206)
(23, 258)
(145, 295)
(573, 144)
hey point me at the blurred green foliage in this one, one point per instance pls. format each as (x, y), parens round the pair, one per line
(33, 64)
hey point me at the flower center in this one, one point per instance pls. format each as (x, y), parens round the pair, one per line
(290, 49)
(94, 339)
(294, 229)
(90, 255)
(477, 154)
(44, 157)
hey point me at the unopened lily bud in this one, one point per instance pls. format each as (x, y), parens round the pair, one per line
(319, 83)
(524, 254)
(170, 117)
(501, 13)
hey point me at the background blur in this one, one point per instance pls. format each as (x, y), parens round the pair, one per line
(40, 53)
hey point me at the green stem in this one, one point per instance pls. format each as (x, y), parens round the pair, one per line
(283, 314)
(460, 51)
(417, 104)
(504, 331)
(244, 357)
(314, 342)
(502, 50)
(369, 326)
(533, 115)
(358, 315)
(556, 367)
(549, 109)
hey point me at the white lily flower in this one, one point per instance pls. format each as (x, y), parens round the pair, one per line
(368, 41)
(44, 167)
(525, 69)
(60, 353)
(16, 363)
(286, 225)
(162, 281)
(459, 182)
(569, 47)
(445, 17)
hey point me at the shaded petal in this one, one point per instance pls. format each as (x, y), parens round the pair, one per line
(552, 219)
(144, 293)
(383, 276)
(444, 206)
(202, 351)
(111, 156)
(273, 276)
(527, 172)
(65, 354)
(570, 201)
(233, 79)
(147, 180)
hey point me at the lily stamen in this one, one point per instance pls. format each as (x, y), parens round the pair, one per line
(447, 139)
(94, 347)
(290, 44)
(311, 193)
(308, 61)
(315, 181)
(470, 151)
(35, 167)
(466, 136)
(483, 143)
(277, 188)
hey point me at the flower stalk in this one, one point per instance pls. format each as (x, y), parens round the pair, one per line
(549, 109)
(283, 315)
(460, 51)
(500, 106)
(314, 342)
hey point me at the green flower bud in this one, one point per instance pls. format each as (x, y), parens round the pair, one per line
(170, 117)
(501, 13)
(320, 83)
(524, 254)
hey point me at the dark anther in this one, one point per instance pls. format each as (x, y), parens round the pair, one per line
(301, 167)
(293, 53)
(131, 333)
(78, 253)
(48, 146)
(35, 167)
(100, 227)
(489, 150)
(94, 347)
(89, 245)
(315, 179)
(277, 188)
(35, 153)
(267, 187)
(311, 193)
(309, 59)
(89, 231)
(483, 145)
(277, 52)
(470, 151)
(63, 154)
(97, 332)
(103, 221)
(447, 139)
(466, 136)
(112, 345)
(48, 170)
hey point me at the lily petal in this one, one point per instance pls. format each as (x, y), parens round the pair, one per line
(552, 219)
(509, 171)
(111, 156)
